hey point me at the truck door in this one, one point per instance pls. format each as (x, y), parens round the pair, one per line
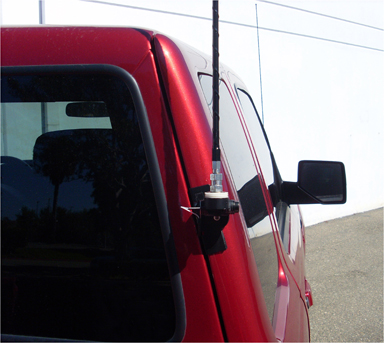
(249, 183)
(251, 166)
(288, 227)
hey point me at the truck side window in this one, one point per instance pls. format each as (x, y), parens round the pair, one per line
(258, 137)
(247, 180)
(260, 140)
(82, 254)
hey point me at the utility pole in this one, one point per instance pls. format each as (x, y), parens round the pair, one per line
(41, 12)
(44, 122)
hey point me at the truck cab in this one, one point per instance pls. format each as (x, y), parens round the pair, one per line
(105, 155)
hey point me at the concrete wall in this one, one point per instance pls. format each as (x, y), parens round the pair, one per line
(322, 99)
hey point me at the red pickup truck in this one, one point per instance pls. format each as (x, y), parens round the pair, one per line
(105, 159)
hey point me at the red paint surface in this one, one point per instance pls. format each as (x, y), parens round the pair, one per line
(167, 75)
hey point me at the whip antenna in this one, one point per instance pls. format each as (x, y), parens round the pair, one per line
(216, 176)
(213, 204)
(216, 202)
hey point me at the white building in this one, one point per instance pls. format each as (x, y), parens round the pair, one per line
(322, 72)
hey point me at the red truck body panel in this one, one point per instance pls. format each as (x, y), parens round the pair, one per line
(222, 293)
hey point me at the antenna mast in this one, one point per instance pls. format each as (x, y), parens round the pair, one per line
(216, 176)
(216, 202)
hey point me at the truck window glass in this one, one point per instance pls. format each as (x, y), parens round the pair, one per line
(282, 210)
(247, 179)
(256, 131)
(82, 254)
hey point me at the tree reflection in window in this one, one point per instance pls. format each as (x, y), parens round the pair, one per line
(82, 251)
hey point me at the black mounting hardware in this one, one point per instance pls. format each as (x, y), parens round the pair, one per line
(218, 205)
(213, 217)
(215, 211)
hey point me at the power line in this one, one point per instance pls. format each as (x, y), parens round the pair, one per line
(148, 9)
(235, 23)
(322, 39)
(321, 14)
(303, 35)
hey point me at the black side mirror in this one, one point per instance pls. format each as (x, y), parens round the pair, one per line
(321, 182)
(324, 181)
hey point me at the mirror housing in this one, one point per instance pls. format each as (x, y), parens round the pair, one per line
(318, 182)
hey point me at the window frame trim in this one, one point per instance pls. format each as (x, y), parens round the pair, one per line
(155, 174)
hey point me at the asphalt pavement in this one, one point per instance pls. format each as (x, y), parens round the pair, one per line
(344, 267)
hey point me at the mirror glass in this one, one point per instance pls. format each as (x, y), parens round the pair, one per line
(324, 181)
(82, 109)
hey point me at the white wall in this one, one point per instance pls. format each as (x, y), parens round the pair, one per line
(322, 100)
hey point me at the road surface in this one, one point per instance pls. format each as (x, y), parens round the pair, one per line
(345, 269)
